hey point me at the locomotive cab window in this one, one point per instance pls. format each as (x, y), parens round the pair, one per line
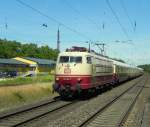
(89, 60)
(77, 59)
(70, 59)
(64, 59)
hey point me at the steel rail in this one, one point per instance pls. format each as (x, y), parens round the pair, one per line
(26, 108)
(102, 109)
(123, 120)
(34, 110)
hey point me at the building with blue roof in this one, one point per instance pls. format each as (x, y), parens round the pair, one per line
(38, 66)
(12, 67)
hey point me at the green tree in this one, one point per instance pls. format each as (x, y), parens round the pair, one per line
(145, 67)
(10, 49)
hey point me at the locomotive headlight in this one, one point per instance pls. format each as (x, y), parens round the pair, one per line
(57, 79)
(78, 79)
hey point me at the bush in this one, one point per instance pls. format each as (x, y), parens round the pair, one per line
(27, 80)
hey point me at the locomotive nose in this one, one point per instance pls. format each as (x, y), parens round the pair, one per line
(69, 82)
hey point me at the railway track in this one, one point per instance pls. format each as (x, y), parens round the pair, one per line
(116, 112)
(85, 115)
(30, 113)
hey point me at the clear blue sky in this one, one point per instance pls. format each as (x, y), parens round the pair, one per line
(86, 17)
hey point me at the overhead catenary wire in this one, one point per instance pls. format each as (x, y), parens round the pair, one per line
(117, 18)
(126, 12)
(79, 13)
(52, 19)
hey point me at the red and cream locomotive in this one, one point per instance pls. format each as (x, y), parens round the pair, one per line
(79, 70)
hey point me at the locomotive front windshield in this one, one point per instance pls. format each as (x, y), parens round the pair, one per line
(70, 59)
(64, 59)
(75, 59)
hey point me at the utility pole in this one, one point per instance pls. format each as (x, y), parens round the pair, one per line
(89, 42)
(58, 40)
(101, 46)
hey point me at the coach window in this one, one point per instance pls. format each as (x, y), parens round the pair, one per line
(89, 60)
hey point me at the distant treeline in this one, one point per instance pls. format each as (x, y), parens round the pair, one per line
(146, 67)
(10, 49)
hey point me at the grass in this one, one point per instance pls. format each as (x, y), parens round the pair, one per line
(15, 92)
(26, 80)
(14, 96)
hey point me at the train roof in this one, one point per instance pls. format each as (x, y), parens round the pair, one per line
(124, 64)
(76, 51)
(120, 63)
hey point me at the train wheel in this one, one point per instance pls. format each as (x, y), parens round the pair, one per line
(64, 95)
(110, 86)
(92, 92)
(83, 94)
